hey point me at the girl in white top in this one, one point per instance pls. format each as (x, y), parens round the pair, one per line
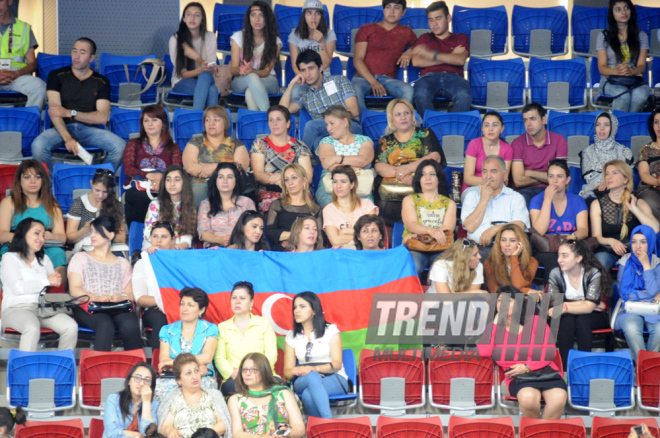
(254, 52)
(26, 270)
(314, 341)
(458, 269)
(193, 53)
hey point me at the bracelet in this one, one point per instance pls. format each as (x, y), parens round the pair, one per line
(322, 48)
(564, 309)
(342, 159)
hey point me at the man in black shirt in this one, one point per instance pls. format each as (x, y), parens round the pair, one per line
(79, 101)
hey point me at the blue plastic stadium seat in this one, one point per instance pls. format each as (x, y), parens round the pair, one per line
(227, 19)
(415, 18)
(571, 125)
(633, 130)
(576, 180)
(188, 123)
(250, 124)
(303, 118)
(583, 21)
(125, 122)
(12, 98)
(24, 366)
(288, 18)
(648, 19)
(604, 101)
(347, 18)
(473, 21)
(69, 177)
(47, 63)
(112, 66)
(655, 71)
(544, 72)
(336, 69)
(467, 124)
(26, 120)
(525, 20)
(481, 73)
(397, 234)
(513, 124)
(135, 236)
(350, 367)
(374, 124)
(583, 367)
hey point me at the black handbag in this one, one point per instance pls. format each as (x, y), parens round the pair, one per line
(110, 308)
(542, 375)
(630, 82)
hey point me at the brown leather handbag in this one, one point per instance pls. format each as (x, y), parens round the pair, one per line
(426, 243)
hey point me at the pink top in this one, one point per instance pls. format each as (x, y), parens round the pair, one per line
(334, 217)
(476, 149)
(522, 350)
(223, 222)
(101, 278)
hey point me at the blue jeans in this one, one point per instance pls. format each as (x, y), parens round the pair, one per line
(203, 89)
(256, 90)
(315, 131)
(607, 259)
(394, 87)
(315, 390)
(633, 329)
(87, 136)
(632, 102)
(444, 84)
(424, 260)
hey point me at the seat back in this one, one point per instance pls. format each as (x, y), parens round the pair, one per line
(577, 128)
(372, 371)
(566, 428)
(251, 124)
(648, 20)
(126, 122)
(347, 18)
(545, 77)
(228, 19)
(112, 66)
(526, 42)
(374, 124)
(26, 120)
(654, 49)
(388, 427)
(602, 427)
(7, 172)
(135, 236)
(442, 372)
(96, 428)
(460, 427)
(448, 127)
(23, 366)
(513, 125)
(487, 29)
(186, 124)
(288, 18)
(576, 180)
(508, 77)
(97, 366)
(584, 21)
(69, 177)
(359, 427)
(633, 131)
(52, 429)
(648, 377)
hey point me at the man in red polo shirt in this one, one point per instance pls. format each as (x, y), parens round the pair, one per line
(533, 150)
(379, 51)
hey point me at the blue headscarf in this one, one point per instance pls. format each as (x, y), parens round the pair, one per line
(633, 273)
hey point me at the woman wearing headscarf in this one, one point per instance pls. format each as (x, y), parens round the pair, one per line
(604, 149)
(639, 280)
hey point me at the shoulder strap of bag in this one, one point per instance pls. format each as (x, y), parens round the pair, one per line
(158, 68)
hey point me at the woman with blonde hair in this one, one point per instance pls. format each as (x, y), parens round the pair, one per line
(510, 262)
(305, 235)
(458, 269)
(613, 216)
(295, 202)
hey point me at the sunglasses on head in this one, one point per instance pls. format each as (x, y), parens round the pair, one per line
(101, 172)
(163, 224)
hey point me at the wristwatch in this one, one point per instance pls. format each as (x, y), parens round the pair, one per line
(74, 113)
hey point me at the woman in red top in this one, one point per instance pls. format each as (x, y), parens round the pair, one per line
(529, 394)
(146, 158)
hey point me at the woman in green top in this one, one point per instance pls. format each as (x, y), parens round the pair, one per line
(427, 211)
(261, 406)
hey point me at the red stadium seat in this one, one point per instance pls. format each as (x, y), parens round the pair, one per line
(460, 427)
(51, 429)
(98, 365)
(11, 335)
(535, 428)
(359, 427)
(648, 380)
(602, 427)
(441, 374)
(155, 358)
(372, 371)
(7, 172)
(389, 427)
(96, 428)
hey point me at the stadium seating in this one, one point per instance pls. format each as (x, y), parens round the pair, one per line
(47, 63)
(188, 123)
(52, 429)
(227, 19)
(14, 336)
(359, 427)
(481, 427)
(577, 181)
(455, 131)
(103, 373)
(486, 28)
(238, 99)
(135, 236)
(409, 427)
(250, 124)
(648, 380)
(7, 172)
(125, 122)
(539, 32)
(620, 427)
(347, 19)
(69, 177)
(577, 128)
(25, 120)
(655, 72)
(565, 428)
(96, 428)
(373, 101)
(114, 68)
(633, 131)
(303, 118)
(648, 20)
(497, 85)
(586, 24)
(288, 18)
(336, 68)
(596, 96)
(41, 382)
(513, 126)
(600, 382)
(558, 85)
(416, 19)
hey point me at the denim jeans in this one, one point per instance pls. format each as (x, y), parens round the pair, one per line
(424, 260)
(607, 259)
(315, 390)
(633, 329)
(444, 84)
(529, 193)
(315, 131)
(203, 89)
(87, 136)
(394, 87)
(256, 90)
(632, 102)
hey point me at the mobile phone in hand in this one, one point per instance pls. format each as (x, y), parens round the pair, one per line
(639, 430)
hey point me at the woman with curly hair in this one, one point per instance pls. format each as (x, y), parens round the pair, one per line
(458, 269)
(510, 262)
(254, 52)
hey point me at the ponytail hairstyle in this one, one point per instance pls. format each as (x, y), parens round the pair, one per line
(624, 169)
(459, 253)
(9, 419)
(612, 32)
(183, 35)
(110, 206)
(588, 262)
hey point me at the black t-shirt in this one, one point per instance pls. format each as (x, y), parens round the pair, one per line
(76, 94)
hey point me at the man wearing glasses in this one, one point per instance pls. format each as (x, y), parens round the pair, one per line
(79, 101)
(490, 206)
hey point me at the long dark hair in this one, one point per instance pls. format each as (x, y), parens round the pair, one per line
(188, 216)
(612, 32)
(157, 112)
(650, 121)
(183, 35)
(238, 233)
(125, 396)
(589, 261)
(110, 205)
(215, 200)
(303, 30)
(46, 197)
(18, 243)
(318, 320)
(442, 180)
(270, 34)
(7, 420)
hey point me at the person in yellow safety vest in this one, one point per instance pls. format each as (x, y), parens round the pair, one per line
(17, 59)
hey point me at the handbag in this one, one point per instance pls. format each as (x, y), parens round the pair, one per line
(391, 189)
(543, 375)
(630, 82)
(365, 179)
(53, 304)
(643, 308)
(426, 243)
(334, 372)
(110, 308)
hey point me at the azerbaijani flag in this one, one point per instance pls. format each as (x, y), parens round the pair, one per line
(345, 281)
